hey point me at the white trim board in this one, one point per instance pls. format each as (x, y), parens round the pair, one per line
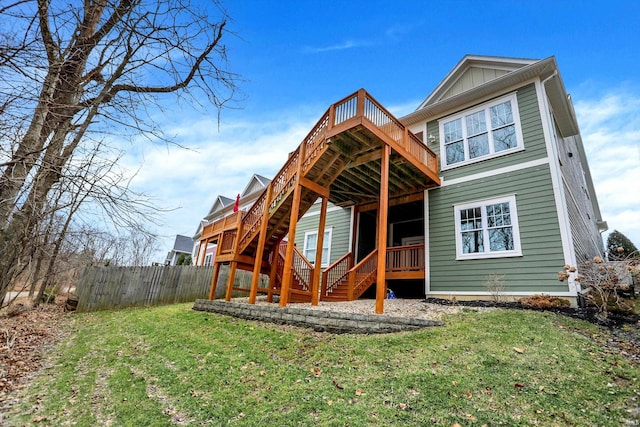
(556, 180)
(494, 172)
(485, 293)
(427, 264)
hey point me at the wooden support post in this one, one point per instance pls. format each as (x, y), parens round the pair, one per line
(234, 264)
(383, 211)
(317, 267)
(332, 117)
(231, 280)
(287, 272)
(214, 281)
(257, 265)
(352, 284)
(360, 103)
(196, 259)
(202, 252)
(354, 231)
(405, 142)
(274, 270)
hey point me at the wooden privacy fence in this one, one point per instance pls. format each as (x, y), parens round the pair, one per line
(104, 288)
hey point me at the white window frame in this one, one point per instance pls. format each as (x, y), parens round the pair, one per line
(326, 243)
(207, 260)
(517, 249)
(465, 137)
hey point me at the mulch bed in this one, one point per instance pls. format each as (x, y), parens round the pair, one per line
(25, 335)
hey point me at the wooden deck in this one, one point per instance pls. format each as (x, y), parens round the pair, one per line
(357, 154)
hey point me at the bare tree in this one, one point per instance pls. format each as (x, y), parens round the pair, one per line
(74, 71)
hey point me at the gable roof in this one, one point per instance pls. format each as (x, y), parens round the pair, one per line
(256, 183)
(473, 71)
(478, 77)
(220, 203)
(446, 97)
(183, 244)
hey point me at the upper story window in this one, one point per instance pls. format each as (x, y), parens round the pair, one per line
(489, 130)
(487, 229)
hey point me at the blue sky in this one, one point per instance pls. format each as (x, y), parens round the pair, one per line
(296, 58)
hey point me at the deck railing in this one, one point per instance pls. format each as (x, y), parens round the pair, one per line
(358, 104)
(228, 240)
(217, 226)
(405, 258)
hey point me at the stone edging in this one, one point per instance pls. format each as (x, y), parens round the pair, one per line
(319, 320)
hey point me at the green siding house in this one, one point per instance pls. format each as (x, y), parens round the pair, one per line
(516, 197)
(511, 195)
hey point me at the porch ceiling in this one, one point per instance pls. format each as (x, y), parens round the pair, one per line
(351, 168)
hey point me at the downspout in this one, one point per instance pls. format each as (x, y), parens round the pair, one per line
(572, 282)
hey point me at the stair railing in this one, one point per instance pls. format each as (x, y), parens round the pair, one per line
(302, 268)
(336, 273)
(363, 275)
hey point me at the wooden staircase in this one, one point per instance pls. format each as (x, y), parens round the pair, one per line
(303, 270)
(338, 160)
(342, 281)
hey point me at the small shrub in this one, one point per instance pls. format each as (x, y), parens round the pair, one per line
(543, 301)
(613, 304)
(603, 285)
(494, 284)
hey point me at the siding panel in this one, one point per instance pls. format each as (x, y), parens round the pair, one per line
(542, 254)
(338, 219)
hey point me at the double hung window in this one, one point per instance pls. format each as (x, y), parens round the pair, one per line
(487, 229)
(311, 243)
(489, 130)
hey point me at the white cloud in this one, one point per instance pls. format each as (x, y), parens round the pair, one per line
(610, 126)
(347, 44)
(399, 110)
(187, 181)
(392, 34)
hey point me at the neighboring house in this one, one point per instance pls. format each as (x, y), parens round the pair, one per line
(222, 207)
(182, 245)
(509, 194)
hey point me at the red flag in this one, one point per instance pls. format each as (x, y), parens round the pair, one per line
(237, 205)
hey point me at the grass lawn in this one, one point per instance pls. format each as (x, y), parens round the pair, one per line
(174, 366)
